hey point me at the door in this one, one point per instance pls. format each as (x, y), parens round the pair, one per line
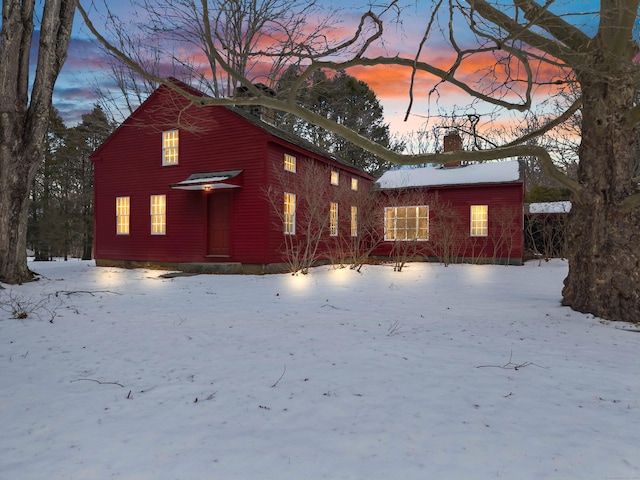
(219, 224)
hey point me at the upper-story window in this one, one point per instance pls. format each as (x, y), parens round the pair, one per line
(354, 184)
(289, 163)
(170, 147)
(335, 177)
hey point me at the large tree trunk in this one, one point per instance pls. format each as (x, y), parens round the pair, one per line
(16, 177)
(603, 237)
(24, 117)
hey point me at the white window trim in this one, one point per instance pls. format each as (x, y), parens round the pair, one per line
(354, 221)
(292, 230)
(335, 177)
(354, 184)
(387, 238)
(123, 215)
(486, 234)
(158, 216)
(166, 148)
(333, 219)
(292, 159)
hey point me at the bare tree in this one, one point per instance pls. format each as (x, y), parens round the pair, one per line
(526, 41)
(24, 115)
(446, 231)
(507, 227)
(306, 227)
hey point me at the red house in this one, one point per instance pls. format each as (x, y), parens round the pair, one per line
(454, 213)
(214, 189)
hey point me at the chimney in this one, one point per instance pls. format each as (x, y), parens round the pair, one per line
(263, 113)
(452, 143)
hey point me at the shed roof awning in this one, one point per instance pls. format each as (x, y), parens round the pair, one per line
(210, 181)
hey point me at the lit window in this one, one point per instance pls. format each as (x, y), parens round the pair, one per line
(170, 147)
(289, 213)
(354, 221)
(289, 163)
(406, 223)
(354, 184)
(479, 220)
(333, 219)
(123, 205)
(158, 214)
(335, 177)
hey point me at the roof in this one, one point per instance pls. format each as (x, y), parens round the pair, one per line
(477, 173)
(291, 138)
(253, 119)
(272, 129)
(550, 207)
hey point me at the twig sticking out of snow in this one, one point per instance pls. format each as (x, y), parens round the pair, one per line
(89, 292)
(510, 365)
(278, 381)
(97, 381)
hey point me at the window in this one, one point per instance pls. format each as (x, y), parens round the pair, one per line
(335, 177)
(333, 219)
(354, 221)
(123, 206)
(158, 214)
(289, 213)
(406, 223)
(479, 220)
(170, 147)
(354, 184)
(289, 163)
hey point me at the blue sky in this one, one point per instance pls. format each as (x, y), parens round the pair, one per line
(85, 68)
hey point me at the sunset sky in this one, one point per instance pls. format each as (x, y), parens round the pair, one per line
(85, 66)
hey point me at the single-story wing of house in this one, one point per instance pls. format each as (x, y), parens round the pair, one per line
(471, 213)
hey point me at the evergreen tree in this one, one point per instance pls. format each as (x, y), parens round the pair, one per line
(44, 226)
(84, 139)
(61, 209)
(347, 101)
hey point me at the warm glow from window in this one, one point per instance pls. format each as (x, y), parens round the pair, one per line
(335, 177)
(289, 163)
(333, 219)
(354, 184)
(123, 205)
(406, 223)
(289, 213)
(354, 221)
(158, 214)
(170, 147)
(479, 220)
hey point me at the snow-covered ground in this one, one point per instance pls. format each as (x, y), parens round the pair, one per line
(459, 372)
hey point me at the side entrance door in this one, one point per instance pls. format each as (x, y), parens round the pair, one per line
(219, 224)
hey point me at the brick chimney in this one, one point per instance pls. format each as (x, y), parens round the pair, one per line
(452, 143)
(263, 113)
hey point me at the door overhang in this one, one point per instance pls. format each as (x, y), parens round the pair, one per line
(210, 181)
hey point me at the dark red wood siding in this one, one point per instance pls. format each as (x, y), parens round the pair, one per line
(212, 139)
(505, 211)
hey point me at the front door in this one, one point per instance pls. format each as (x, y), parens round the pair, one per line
(219, 224)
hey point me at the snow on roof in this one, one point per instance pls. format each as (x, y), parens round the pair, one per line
(487, 172)
(550, 207)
